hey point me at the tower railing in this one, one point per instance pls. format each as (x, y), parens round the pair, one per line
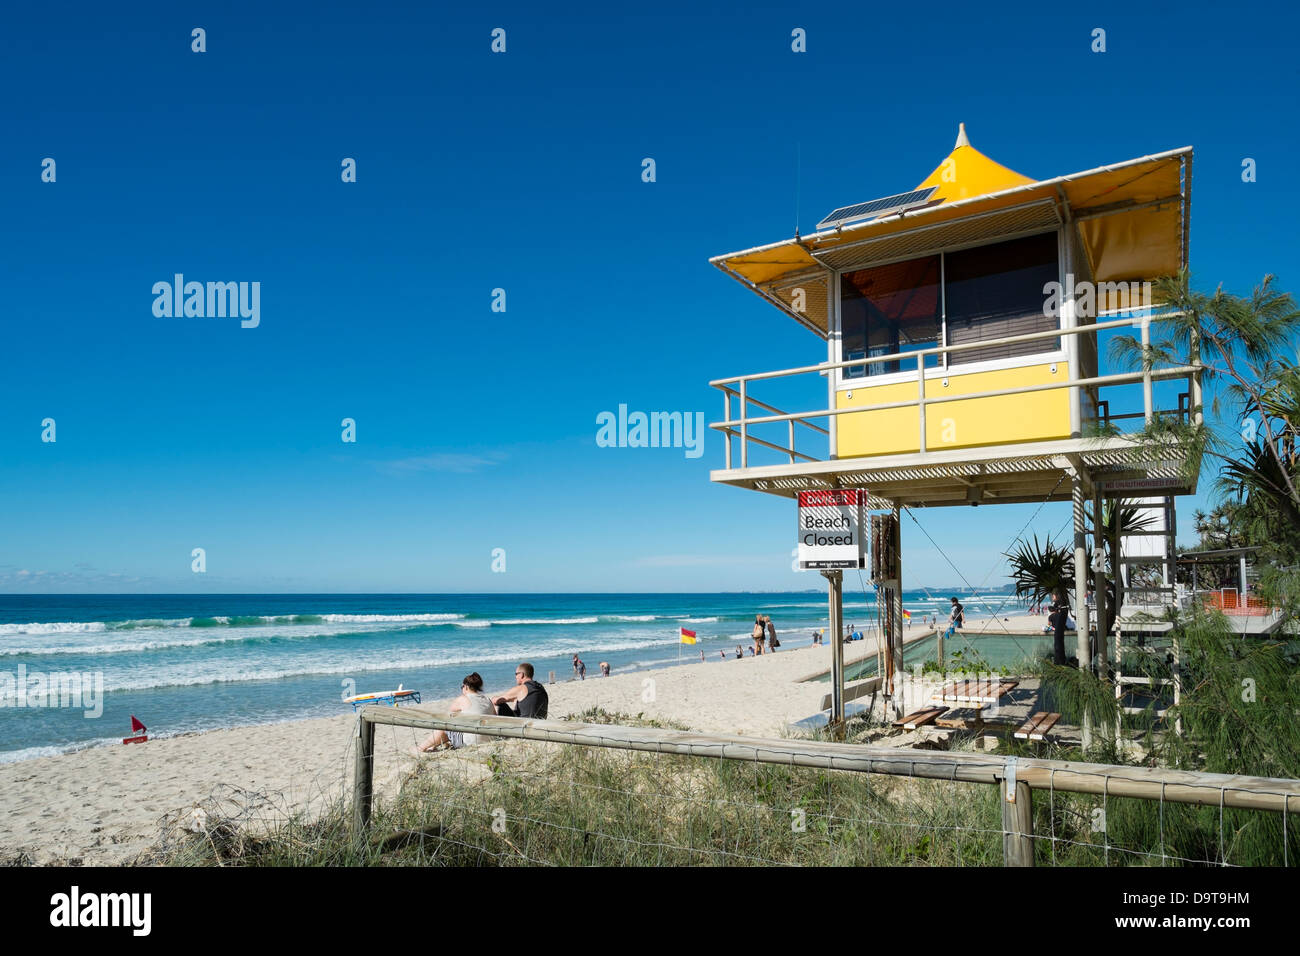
(739, 387)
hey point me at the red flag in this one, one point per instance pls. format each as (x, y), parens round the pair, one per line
(136, 726)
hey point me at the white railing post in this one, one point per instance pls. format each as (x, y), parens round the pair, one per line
(920, 395)
(791, 424)
(1069, 323)
(833, 342)
(726, 417)
(1147, 412)
(1194, 381)
(744, 431)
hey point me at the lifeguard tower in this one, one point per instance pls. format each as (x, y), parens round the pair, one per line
(964, 325)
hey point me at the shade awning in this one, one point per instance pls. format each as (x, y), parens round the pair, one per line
(1131, 218)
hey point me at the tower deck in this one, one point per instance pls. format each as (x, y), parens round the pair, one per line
(1031, 472)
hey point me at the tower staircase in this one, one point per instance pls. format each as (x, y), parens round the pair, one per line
(1146, 652)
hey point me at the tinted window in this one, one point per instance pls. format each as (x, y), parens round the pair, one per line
(890, 309)
(997, 291)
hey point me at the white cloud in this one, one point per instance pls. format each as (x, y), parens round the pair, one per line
(458, 462)
(703, 560)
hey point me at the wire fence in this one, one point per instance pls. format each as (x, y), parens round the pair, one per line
(584, 793)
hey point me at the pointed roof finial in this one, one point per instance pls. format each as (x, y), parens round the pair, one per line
(961, 135)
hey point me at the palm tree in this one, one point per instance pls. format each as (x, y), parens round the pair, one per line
(1041, 571)
(1238, 341)
(1046, 570)
(1268, 514)
(1119, 517)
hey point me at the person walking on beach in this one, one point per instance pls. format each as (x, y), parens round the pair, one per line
(604, 668)
(772, 642)
(579, 668)
(759, 634)
(739, 652)
(956, 618)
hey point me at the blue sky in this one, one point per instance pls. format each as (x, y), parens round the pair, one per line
(476, 429)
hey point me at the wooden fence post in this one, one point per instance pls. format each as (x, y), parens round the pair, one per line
(363, 780)
(1017, 823)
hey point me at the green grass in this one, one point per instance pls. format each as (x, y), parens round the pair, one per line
(521, 804)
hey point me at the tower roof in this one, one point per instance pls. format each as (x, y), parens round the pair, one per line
(1130, 220)
(966, 172)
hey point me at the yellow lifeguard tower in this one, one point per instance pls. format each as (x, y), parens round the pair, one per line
(962, 323)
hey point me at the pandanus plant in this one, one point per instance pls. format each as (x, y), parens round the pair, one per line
(1041, 571)
(1046, 570)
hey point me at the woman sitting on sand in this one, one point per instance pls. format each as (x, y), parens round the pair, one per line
(472, 700)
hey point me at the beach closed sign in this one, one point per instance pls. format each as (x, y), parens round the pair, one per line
(830, 529)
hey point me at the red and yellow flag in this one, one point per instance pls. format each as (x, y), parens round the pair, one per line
(688, 637)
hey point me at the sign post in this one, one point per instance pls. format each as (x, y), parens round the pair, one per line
(835, 585)
(831, 538)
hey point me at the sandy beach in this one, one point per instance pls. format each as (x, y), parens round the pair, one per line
(105, 805)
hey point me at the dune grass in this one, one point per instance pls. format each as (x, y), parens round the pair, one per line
(518, 803)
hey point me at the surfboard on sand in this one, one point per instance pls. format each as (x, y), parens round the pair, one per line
(393, 697)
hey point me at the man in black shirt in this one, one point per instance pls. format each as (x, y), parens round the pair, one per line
(1057, 619)
(526, 699)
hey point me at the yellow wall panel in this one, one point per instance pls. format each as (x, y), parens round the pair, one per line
(1036, 416)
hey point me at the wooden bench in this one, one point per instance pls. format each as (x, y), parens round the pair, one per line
(1038, 726)
(919, 718)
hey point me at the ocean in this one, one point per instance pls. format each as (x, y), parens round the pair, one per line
(187, 663)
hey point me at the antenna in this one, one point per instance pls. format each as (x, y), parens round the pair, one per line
(798, 162)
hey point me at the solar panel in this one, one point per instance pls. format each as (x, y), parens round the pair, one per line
(877, 207)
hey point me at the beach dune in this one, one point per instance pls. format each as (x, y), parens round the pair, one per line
(105, 805)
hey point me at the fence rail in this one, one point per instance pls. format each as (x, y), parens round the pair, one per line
(1016, 777)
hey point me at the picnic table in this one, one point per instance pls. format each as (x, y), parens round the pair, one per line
(958, 695)
(971, 695)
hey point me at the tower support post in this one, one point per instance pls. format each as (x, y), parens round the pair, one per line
(1081, 587)
(1099, 582)
(896, 616)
